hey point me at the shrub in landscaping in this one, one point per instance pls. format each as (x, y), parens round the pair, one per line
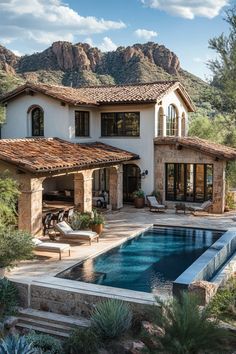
(8, 298)
(80, 221)
(44, 343)
(15, 246)
(187, 328)
(223, 304)
(111, 319)
(82, 341)
(16, 345)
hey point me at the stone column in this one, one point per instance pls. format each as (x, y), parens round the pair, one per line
(179, 123)
(30, 205)
(219, 187)
(116, 187)
(83, 190)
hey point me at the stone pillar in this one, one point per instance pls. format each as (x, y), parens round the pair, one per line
(219, 187)
(179, 124)
(116, 187)
(30, 205)
(83, 190)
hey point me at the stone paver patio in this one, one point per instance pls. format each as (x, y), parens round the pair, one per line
(119, 226)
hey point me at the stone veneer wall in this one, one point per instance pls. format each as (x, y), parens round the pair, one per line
(170, 154)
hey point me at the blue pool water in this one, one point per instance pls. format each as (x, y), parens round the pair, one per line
(153, 259)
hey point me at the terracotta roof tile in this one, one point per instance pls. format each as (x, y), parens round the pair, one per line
(39, 155)
(113, 94)
(207, 147)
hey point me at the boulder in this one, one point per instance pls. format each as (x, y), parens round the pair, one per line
(204, 290)
(151, 335)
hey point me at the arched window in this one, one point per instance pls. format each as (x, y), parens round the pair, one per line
(160, 122)
(172, 121)
(37, 121)
(183, 125)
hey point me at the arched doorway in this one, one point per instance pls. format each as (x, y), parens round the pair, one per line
(131, 181)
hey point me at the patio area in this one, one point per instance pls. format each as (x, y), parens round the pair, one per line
(120, 225)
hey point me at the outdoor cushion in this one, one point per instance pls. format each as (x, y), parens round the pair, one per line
(154, 203)
(69, 233)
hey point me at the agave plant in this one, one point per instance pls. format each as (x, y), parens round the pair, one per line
(15, 345)
(111, 319)
(187, 328)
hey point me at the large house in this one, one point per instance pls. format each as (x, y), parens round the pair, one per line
(78, 142)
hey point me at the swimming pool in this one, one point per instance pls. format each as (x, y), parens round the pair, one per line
(146, 262)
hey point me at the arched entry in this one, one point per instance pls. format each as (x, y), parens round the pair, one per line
(131, 181)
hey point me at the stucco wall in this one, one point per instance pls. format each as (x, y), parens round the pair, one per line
(169, 154)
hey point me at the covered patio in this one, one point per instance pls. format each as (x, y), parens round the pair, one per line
(53, 173)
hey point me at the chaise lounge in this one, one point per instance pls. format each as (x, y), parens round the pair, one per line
(69, 234)
(50, 247)
(204, 207)
(154, 204)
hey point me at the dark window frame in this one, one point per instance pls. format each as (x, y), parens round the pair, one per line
(185, 199)
(40, 124)
(117, 116)
(83, 131)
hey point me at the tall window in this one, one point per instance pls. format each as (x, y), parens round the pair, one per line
(37, 121)
(171, 121)
(120, 124)
(189, 182)
(81, 123)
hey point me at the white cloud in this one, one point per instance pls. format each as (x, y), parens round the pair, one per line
(188, 8)
(145, 34)
(107, 45)
(44, 21)
(18, 53)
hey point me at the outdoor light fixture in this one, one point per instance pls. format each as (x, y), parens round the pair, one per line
(144, 173)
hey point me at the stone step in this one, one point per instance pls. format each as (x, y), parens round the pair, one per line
(42, 329)
(54, 318)
(50, 325)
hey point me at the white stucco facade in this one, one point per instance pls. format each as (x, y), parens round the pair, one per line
(59, 121)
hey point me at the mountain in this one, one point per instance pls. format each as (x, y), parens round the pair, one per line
(82, 65)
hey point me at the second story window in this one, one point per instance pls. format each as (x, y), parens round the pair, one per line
(172, 121)
(81, 123)
(37, 120)
(120, 124)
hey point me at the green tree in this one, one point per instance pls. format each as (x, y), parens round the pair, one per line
(8, 199)
(224, 68)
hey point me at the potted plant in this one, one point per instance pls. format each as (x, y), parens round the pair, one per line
(80, 221)
(97, 222)
(139, 199)
(15, 246)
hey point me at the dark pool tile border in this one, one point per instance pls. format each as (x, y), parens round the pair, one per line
(206, 266)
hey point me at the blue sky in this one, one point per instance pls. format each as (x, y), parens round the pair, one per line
(183, 26)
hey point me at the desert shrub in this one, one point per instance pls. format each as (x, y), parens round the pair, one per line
(111, 319)
(16, 345)
(223, 305)
(44, 343)
(187, 328)
(80, 221)
(8, 298)
(82, 341)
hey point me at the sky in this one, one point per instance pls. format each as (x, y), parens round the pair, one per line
(183, 26)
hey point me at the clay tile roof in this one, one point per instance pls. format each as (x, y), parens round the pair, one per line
(207, 147)
(113, 94)
(40, 155)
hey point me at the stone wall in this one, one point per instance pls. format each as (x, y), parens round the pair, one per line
(170, 154)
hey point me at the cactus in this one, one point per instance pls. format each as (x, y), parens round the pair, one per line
(15, 345)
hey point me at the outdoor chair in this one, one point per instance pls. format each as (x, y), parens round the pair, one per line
(53, 247)
(68, 214)
(205, 207)
(68, 233)
(47, 223)
(154, 205)
(60, 216)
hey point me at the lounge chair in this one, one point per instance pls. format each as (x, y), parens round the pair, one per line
(154, 204)
(50, 247)
(204, 207)
(69, 234)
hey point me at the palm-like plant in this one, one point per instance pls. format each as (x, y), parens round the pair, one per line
(188, 329)
(15, 345)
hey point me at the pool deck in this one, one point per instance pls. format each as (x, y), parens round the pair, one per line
(120, 225)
